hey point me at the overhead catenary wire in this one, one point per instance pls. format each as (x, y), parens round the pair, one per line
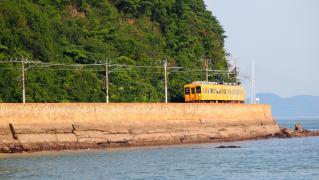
(39, 63)
(114, 68)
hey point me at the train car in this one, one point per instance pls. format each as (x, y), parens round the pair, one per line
(213, 92)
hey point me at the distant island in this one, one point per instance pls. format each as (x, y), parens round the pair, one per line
(302, 106)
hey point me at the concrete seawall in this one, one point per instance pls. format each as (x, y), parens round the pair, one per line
(34, 127)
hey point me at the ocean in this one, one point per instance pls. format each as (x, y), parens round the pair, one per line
(296, 158)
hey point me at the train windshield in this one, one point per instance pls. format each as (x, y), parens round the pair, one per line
(198, 89)
(187, 90)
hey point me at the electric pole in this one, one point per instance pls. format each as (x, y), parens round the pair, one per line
(235, 64)
(206, 69)
(23, 80)
(253, 95)
(107, 81)
(228, 69)
(165, 74)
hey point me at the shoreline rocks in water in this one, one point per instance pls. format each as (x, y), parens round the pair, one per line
(18, 147)
(11, 148)
(227, 147)
(297, 132)
(289, 133)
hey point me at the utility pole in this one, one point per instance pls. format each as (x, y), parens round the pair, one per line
(235, 75)
(229, 66)
(107, 81)
(253, 95)
(165, 74)
(23, 80)
(235, 64)
(206, 69)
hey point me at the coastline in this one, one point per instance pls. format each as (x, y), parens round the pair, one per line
(24, 154)
(111, 149)
(45, 127)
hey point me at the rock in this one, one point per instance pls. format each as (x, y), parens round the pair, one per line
(11, 148)
(315, 133)
(16, 148)
(4, 149)
(298, 127)
(298, 132)
(287, 132)
(226, 147)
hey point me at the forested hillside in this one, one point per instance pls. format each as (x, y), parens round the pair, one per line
(132, 32)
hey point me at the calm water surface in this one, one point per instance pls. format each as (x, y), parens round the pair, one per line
(263, 159)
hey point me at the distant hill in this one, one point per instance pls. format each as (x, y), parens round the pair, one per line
(130, 32)
(301, 106)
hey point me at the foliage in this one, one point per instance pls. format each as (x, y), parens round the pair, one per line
(136, 32)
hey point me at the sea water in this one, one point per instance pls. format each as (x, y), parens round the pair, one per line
(296, 158)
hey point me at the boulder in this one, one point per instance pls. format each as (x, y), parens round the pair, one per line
(11, 148)
(227, 147)
(298, 127)
(287, 132)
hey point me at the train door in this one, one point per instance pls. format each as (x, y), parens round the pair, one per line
(187, 94)
(193, 94)
(198, 93)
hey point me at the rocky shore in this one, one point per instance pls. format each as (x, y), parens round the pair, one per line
(46, 127)
(297, 132)
(18, 147)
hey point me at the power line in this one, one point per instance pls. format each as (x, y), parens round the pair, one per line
(109, 68)
(39, 63)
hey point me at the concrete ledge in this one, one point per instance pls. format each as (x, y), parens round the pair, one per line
(75, 126)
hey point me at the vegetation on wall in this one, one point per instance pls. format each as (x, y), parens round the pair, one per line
(133, 32)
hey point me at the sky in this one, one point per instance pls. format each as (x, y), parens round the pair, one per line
(281, 36)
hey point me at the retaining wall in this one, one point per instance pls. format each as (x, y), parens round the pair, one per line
(33, 127)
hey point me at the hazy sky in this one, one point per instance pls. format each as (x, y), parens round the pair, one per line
(281, 36)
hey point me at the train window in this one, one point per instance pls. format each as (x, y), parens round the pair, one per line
(193, 90)
(198, 89)
(187, 90)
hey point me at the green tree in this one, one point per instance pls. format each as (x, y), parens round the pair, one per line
(133, 32)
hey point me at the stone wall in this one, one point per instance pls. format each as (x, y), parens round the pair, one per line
(34, 127)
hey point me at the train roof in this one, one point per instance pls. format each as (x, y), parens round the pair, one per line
(214, 83)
